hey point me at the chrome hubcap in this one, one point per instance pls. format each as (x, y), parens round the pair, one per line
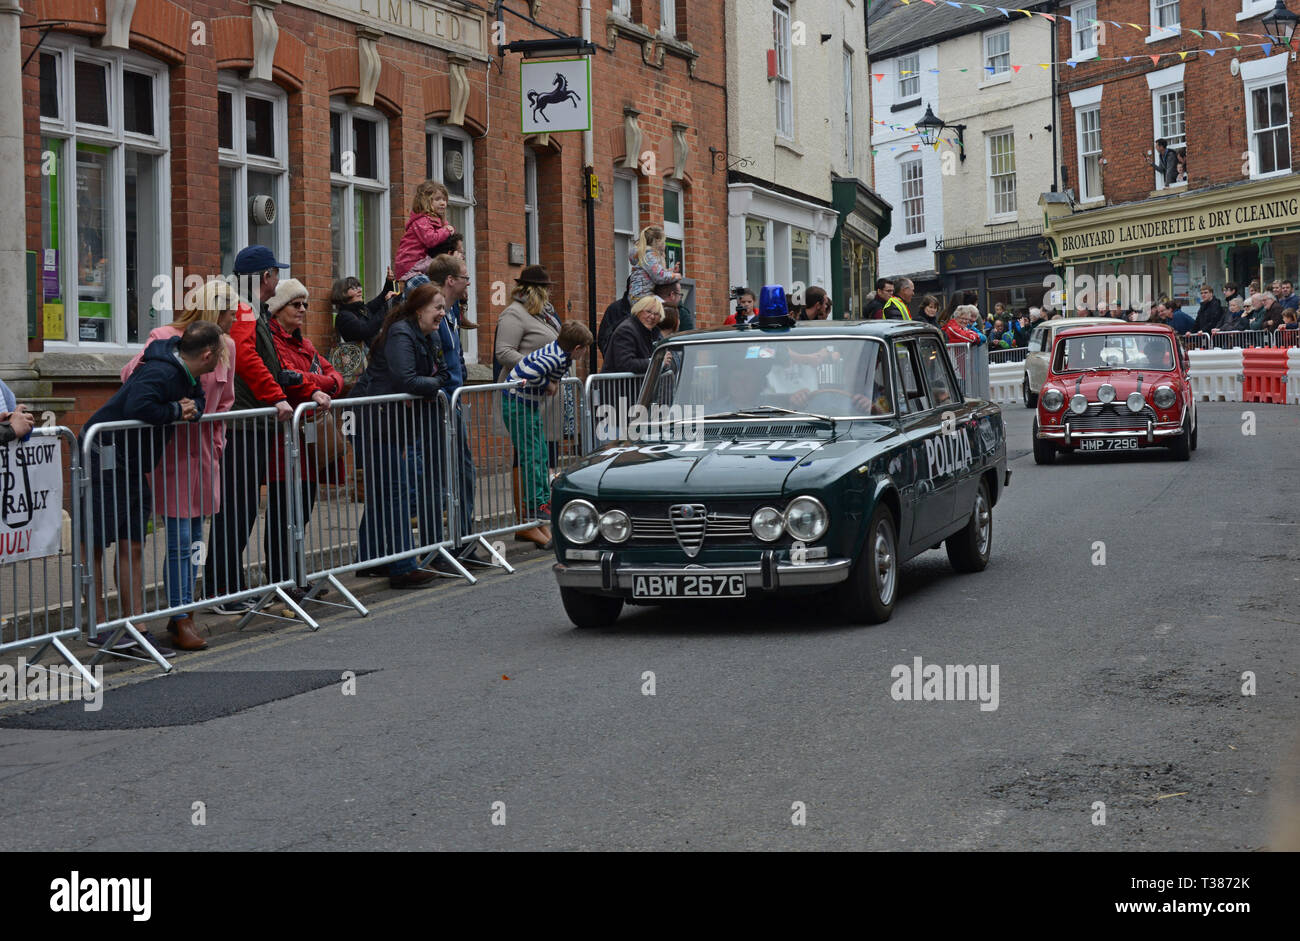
(983, 524)
(886, 568)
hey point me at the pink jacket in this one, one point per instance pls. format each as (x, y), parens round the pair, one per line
(423, 234)
(187, 481)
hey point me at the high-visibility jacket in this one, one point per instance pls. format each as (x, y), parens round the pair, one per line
(896, 304)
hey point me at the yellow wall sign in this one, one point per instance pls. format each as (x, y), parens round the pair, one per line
(54, 323)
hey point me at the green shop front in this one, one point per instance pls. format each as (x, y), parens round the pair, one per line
(864, 219)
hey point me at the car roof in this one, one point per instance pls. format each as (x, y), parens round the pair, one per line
(1067, 322)
(1122, 327)
(805, 329)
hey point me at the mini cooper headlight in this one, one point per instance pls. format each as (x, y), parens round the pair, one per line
(1106, 394)
(1165, 397)
(767, 524)
(1135, 402)
(1053, 400)
(806, 519)
(578, 522)
(615, 526)
(1078, 404)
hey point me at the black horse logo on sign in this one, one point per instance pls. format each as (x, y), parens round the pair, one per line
(561, 92)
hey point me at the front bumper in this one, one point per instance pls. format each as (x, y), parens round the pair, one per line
(769, 574)
(1149, 432)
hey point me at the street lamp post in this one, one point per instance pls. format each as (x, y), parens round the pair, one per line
(929, 128)
(1280, 24)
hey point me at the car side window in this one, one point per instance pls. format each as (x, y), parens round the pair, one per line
(1039, 340)
(934, 363)
(909, 374)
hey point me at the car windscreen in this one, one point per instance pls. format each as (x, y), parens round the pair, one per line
(1098, 351)
(839, 377)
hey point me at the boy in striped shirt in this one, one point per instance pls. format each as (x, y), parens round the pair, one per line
(541, 371)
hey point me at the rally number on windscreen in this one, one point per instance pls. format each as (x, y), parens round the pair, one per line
(689, 586)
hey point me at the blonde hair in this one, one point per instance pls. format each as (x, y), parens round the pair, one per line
(424, 193)
(649, 236)
(648, 302)
(534, 298)
(217, 298)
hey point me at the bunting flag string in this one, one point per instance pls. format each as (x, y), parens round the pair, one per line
(1053, 17)
(1155, 58)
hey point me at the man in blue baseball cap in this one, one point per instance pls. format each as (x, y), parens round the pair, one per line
(259, 261)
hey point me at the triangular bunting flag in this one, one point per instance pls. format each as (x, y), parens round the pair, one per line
(1136, 27)
(877, 75)
(1048, 17)
(1027, 13)
(1182, 55)
(952, 4)
(1045, 65)
(1268, 47)
(989, 69)
(1068, 19)
(1128, 58)
(963, 70)
(1233, 36)
(976, 6)
(934, 71)
(915, 146)
(874, 152)
(1155, 59)
(1236, 49)
(1210, 52)
(1197, 33)
(1116, 25)
(1215, 34)
(931, 2)
(1003, 12)
(1016, 69)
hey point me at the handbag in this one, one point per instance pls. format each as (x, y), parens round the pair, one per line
(324, 447)
(350, 360)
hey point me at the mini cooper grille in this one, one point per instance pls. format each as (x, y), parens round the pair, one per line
(1110, 418)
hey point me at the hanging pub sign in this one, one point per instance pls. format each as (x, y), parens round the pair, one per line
(555, 95)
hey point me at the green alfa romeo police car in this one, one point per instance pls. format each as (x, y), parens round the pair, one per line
(779, 459)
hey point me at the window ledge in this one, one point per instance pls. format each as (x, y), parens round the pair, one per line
(904, 105)
(616, 23)
(1259, 10)
(1010, 219)
(1171, 188)
(1168, 32)
(906, 246)
(1094, 202)
(69, 364)
(786, 143)
(1000, 79)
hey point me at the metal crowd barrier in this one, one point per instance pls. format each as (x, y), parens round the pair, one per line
(609, 397)
(971, 363)
(1015, 354)
(148, 492)
(40, 552)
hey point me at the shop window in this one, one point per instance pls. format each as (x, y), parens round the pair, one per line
(800, 256)
(449, 159)
(104, 194)
(1002, 176)
(784, 80)
(756, 262)
(1083, 35)
(913, 197)
(359, 212)
(909, 76)
(625, 226)
(1087, 122)
(674, 227)
(253, 179)
(997, 55)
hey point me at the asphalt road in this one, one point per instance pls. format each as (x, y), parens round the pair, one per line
(1118, 683)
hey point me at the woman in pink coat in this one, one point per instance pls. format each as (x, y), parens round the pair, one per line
(187, 480)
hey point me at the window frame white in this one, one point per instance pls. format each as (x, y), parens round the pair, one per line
(532, 228)
(668, 17)
(1168, 30)
(676, 230)
(998, 75)
(1086, 152)
(1256, 75)
(784, 80)
(1163, 83)
(912, 79)
(913, 205)
(69, 50)
(1079, 28)
(238, 158)
(1006, 215)
(434, 132)
(849, 99)
(351, 184)
(623, 7)
(624, 239)
(1253, 8)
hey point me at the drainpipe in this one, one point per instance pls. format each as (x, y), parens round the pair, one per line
(14, 365)
(588, 174)
(1056, 164)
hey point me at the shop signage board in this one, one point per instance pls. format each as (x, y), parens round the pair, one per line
(555, 95)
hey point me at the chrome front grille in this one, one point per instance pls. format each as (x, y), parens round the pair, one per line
(690, 526)
(1112, 417)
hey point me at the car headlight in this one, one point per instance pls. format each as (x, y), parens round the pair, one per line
(806, 519)
(1106, 393)
(1078, 404)
(767, 524)
(615, 526)
(1135, 402)
(1053, 400)
(1165, 397)
(579, 522)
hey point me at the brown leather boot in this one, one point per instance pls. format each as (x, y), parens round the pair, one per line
(184, 634)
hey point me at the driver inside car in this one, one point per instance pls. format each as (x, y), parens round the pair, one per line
(1158, 355)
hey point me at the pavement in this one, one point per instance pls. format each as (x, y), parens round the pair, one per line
(477, 717)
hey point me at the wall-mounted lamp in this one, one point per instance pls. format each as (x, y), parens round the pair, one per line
(929, 128)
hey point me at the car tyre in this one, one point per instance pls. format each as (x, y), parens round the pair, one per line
(1181, 449)
(868, 596)
(969, 549)
(1031, 398)
(587, 610)
(1044, 453)
(1195, 428)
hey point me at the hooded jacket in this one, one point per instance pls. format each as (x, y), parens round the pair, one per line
(152, 394)
(423, 234)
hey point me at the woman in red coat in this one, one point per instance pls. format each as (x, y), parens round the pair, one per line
(305, 376)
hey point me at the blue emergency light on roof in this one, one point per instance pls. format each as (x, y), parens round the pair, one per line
(771, 302)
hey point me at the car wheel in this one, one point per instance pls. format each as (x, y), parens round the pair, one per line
(1181, 449)
(867, 597)
(969, 550)
(1044, 453)
(1195, 428)
(1031, 398)
(586, 610)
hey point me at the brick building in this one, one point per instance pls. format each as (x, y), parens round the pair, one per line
(1236, 215)
(163, 136)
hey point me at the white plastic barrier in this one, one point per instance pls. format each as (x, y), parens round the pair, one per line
(1005, 380)
(1293, 376)
(1215, 375)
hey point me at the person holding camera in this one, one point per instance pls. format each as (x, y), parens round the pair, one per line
(1166, 162)
(744, 312)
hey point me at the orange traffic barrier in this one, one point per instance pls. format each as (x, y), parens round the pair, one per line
(1264, 373)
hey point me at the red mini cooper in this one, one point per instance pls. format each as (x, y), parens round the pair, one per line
(1116, 387)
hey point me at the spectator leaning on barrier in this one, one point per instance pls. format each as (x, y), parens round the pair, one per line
(187, 479)
(163, 390)
(305, 376)
(1209, 316)
(1258, 312)
(1237, 317)
(542, 371)
(633, 342)
(15, 420)
(407, 359)
(1287, 296)
(1272, 311)
(248, 444)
